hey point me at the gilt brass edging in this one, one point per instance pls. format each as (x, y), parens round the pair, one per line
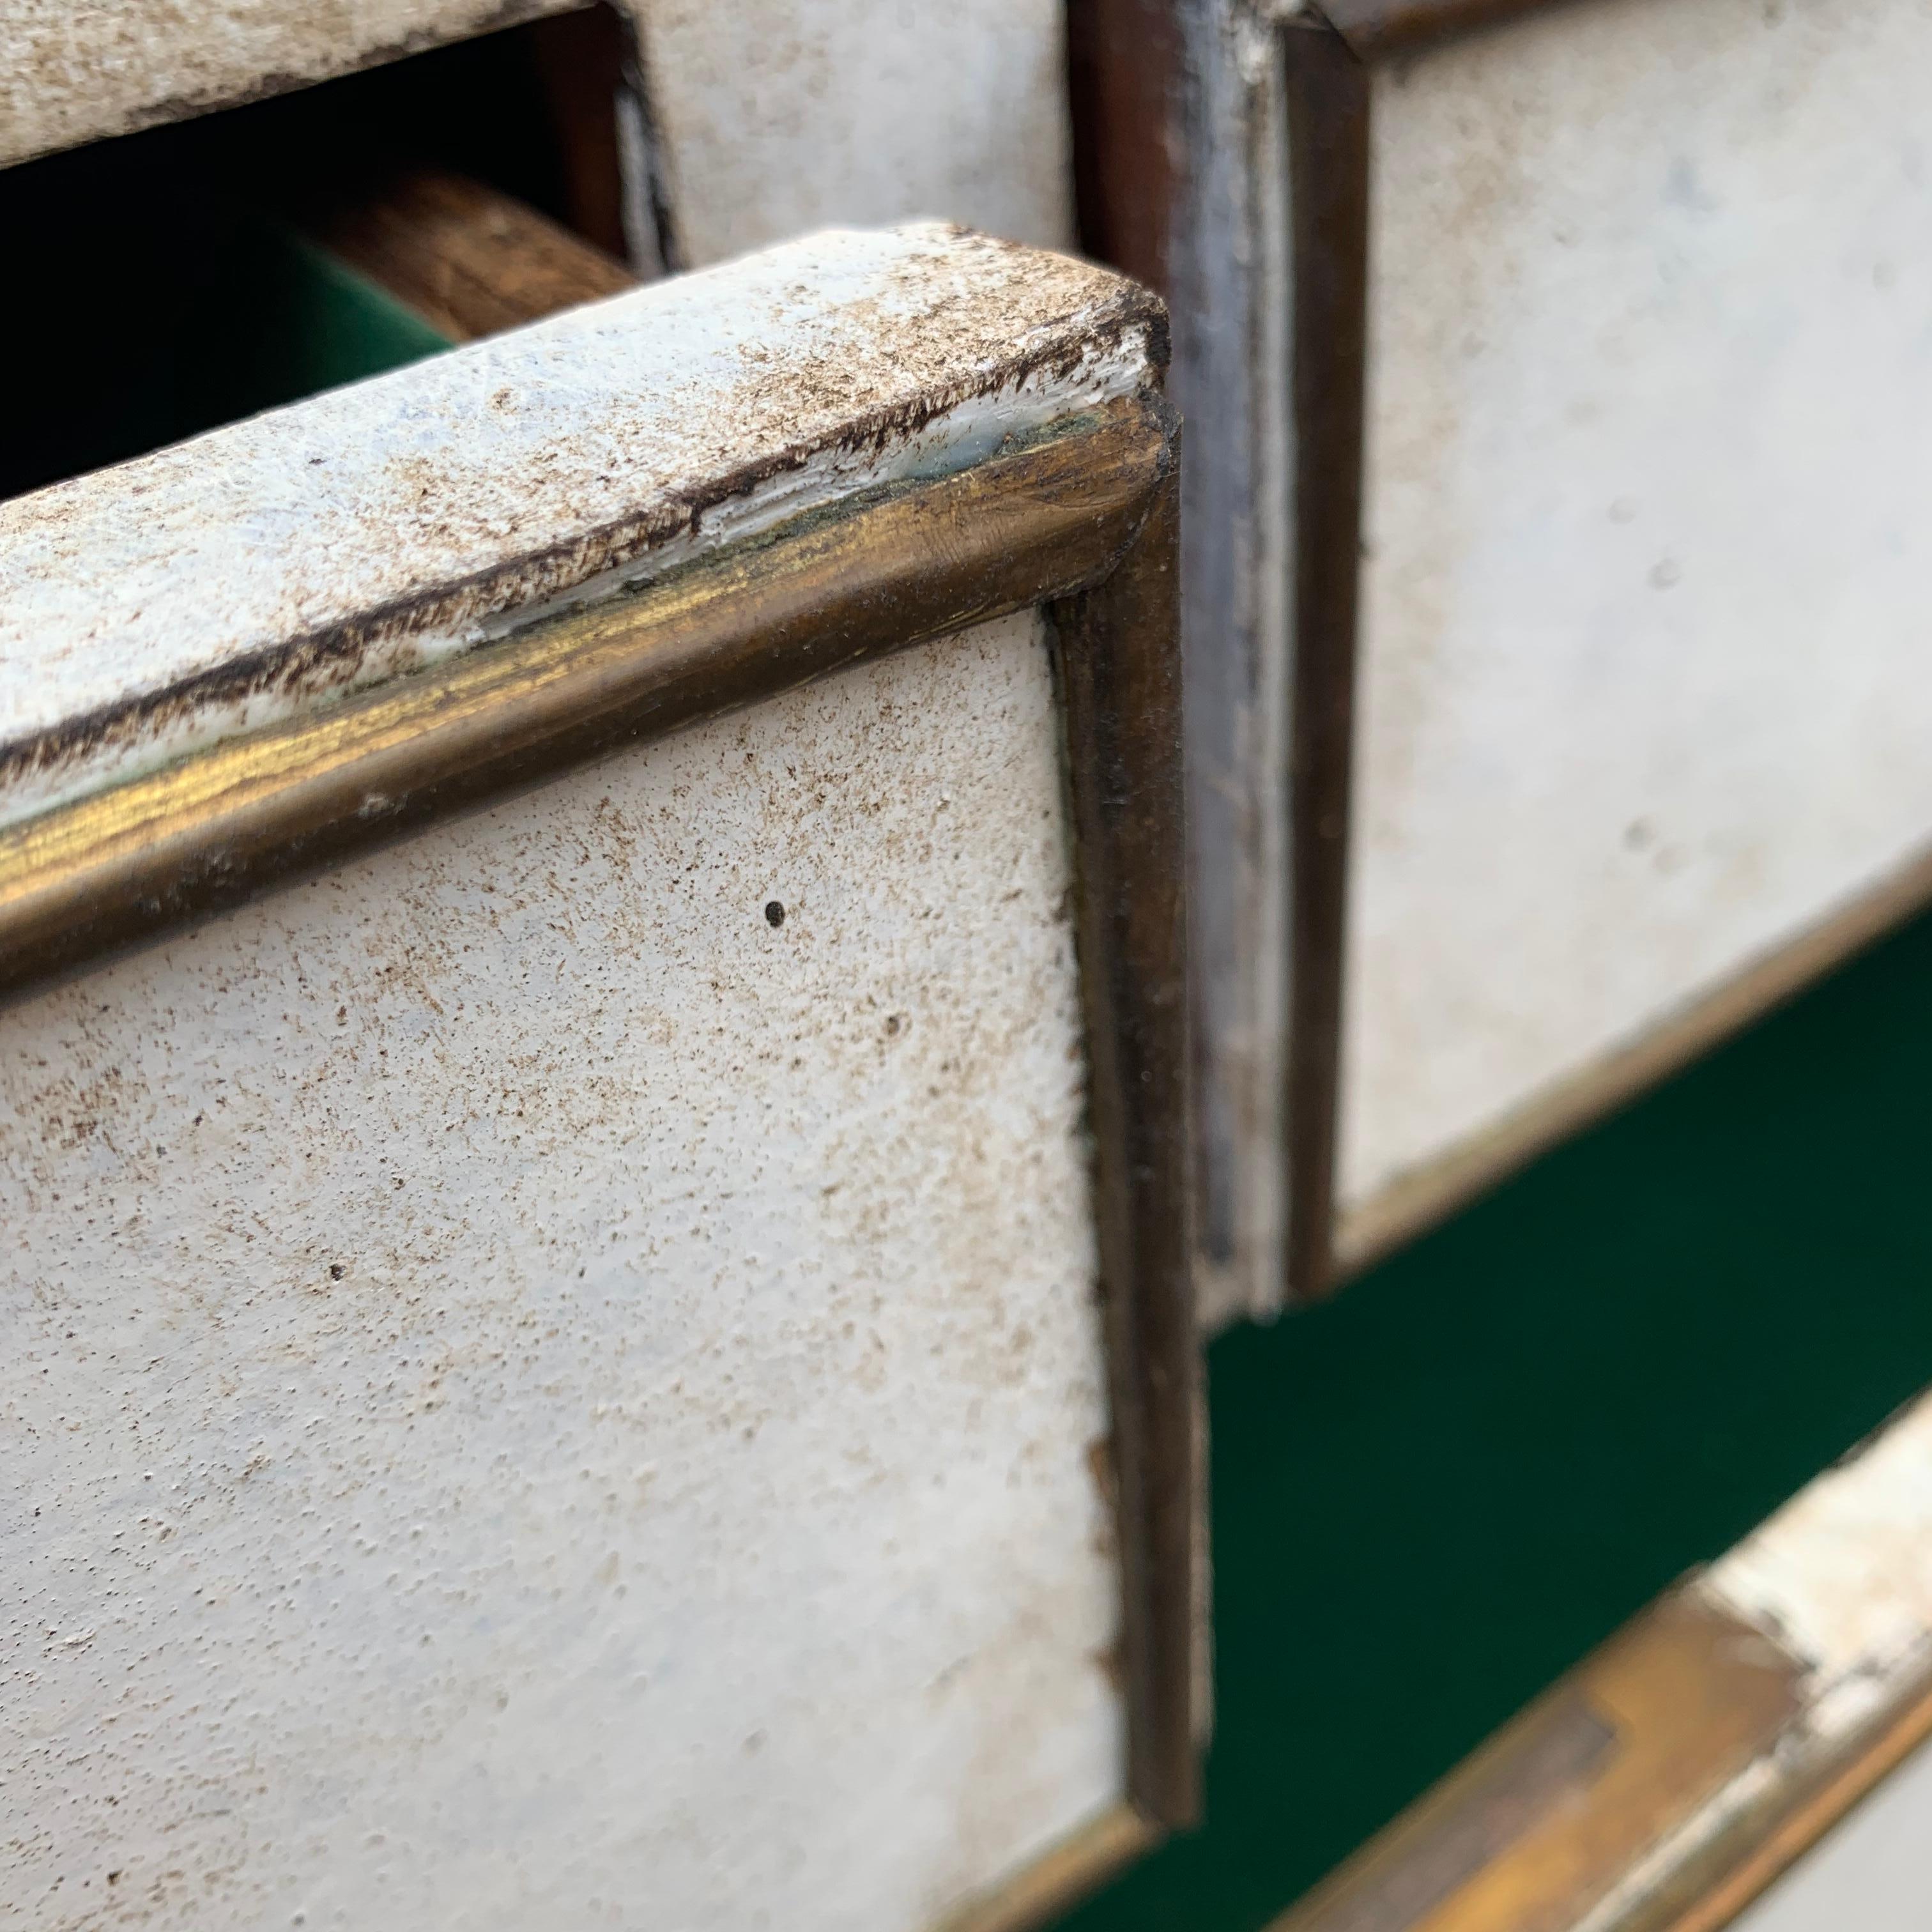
(908, 566)
(1119, 648)
(1540, 1824)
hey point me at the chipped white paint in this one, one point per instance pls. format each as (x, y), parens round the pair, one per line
(1645, 627)
(775, 116)
(1840, 1578)
(84, 69)
(535, 1397)
(1843, 1573)
(396, 519)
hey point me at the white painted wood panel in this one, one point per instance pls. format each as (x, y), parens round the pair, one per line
(538, 1397)
(776, 116)
(554, 1369)
(1645, 645)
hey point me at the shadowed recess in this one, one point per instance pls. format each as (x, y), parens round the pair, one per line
(1434, 1495)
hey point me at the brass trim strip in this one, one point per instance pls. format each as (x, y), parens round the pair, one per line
(1058, 1879)
(756, 619)
(1773, 1852)
(1120, 663)
(1687, 1696)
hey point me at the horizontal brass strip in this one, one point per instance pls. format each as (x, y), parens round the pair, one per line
(832, 589)
(1541, 1822)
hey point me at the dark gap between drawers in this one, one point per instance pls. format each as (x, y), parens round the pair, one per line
(170, 281)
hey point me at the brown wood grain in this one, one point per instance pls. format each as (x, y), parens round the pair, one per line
(1127, 80)
(470, 261)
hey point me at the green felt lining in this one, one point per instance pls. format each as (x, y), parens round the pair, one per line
(1434, 1495)
(135, 351)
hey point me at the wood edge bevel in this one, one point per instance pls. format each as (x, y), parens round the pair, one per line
(1118, 653)
(1537, 1826)
(1719, 1709)
(1846, 1782)
(1328, 189)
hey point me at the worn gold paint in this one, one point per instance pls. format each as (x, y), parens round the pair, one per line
(772, 614)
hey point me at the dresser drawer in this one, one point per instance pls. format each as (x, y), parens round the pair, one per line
(592, 1120)
(1555, 382)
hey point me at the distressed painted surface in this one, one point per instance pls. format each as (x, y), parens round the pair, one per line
(1844, 1570)
(1840, 1579)
(150, 607)
(537, 1396)
(1873, 1872)
(779, 115)
(1645, 629)
(83, 69)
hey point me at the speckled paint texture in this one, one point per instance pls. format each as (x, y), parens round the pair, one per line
(1644, 636)
(542, 1393)
(250, 573)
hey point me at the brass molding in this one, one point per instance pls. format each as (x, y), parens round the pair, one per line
(900, 568)
(1060, 1879)
(1540, 1823)
(1661, 1786)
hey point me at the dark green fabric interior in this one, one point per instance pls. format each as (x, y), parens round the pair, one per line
(132, 355)
(1433, 1495)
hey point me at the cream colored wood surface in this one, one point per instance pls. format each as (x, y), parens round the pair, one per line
(777, 116)
(555, 1368)
(1644, 689)
(542, 1393)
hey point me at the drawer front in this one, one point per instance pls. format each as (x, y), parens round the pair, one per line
(624, 1349)
(1554, 381)
(563, 1355)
